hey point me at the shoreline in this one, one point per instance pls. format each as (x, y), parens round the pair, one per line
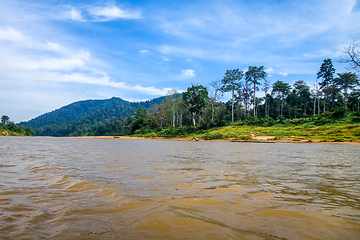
(259, 139)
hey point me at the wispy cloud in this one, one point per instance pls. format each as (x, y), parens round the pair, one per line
(187, 73)
(283, 74)
(96, 13)
(56, 63)
(269, 70)
(113, 12)
(72, 13)
(10, 34)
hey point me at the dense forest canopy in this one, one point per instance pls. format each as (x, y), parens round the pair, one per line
(77, 118)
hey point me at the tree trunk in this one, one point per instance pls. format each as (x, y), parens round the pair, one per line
(266, 114)
(254, 100)
(193, 118)
(246, 109)
(212, 108)
(181, 118)
(314, 106)
(345, 97)
(232, 106)
(173, 116)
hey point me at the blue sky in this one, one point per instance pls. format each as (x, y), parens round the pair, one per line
(53, 53)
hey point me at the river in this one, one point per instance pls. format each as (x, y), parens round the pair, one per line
(72, 188)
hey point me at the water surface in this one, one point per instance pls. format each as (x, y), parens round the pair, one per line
(65, 188)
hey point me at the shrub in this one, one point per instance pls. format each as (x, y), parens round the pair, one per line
(327, 114)
(212, 136)
(338, 112)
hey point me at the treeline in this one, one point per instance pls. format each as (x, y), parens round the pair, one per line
(332, 97)
(8, 127)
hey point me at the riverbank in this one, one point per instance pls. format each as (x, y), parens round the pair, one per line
(301, 133)
(259, 139)
(11, 133)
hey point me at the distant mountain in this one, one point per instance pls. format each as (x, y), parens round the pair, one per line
(88, 112)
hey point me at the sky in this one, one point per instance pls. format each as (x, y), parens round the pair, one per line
(56, 52)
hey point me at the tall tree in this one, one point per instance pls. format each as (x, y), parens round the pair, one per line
(253, 75)
(346, 81)
(246, 95)
(171, 96)
(266, 90)
(215, 94)
(281, 90)
(326, 73)
(302, 91)
(195, 97)
(232, 82)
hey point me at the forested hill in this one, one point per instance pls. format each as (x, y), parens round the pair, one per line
(88, 112)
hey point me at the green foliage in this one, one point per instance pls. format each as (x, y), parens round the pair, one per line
(338, 112)
(212, 136)
(9, 128)
(326, 72)
(4, 119)
(195, 97)
(90, 117)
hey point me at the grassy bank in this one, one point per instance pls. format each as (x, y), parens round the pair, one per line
(11, 129)
(301, 133)
(314, 129)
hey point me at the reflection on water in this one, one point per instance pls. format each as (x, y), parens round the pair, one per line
(63, 188)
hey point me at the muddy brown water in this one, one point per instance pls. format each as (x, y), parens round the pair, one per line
(64, 188)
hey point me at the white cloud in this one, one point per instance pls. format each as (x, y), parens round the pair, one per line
(321, 53)
(269, 70)
(187, 73)
(70, 12)
(75, 15)
(165, 59)
(113, 12)
(9, 34)
(53, 46)
(93, 79)
(284, 74)
(35, 61)
(144, 51)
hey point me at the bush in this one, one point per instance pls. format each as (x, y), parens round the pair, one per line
(327, 114)
(356, 132)
(356, 114)
(338, 112)
(212, 136)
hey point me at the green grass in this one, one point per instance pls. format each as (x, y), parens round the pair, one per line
(312, 129)
(327, 133)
